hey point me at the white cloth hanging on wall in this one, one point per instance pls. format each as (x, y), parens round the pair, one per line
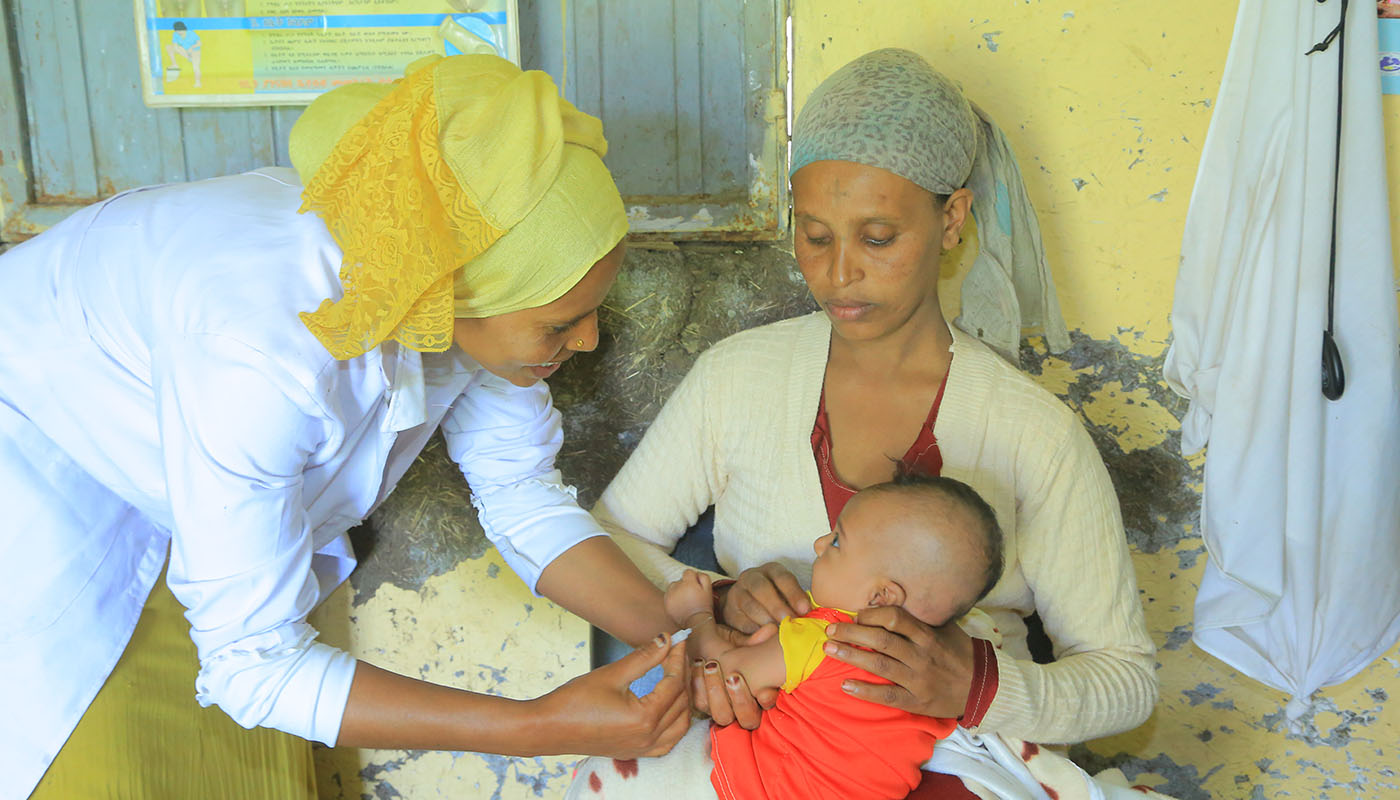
(1301, 506)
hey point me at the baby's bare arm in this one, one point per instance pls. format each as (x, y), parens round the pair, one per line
(761, 664)
(688, 600)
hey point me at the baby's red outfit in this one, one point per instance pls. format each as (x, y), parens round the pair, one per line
(819, 742)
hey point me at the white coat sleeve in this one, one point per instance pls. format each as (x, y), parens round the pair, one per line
(236, 434)
(505, 439)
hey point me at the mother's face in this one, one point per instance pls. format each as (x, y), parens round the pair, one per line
(528, 345)
(869, 242)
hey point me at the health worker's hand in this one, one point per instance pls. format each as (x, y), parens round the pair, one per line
(597, 714)
(929, 669)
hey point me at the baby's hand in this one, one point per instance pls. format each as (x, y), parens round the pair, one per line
(690, 601)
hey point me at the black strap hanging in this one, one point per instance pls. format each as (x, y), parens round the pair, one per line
(1333, 376)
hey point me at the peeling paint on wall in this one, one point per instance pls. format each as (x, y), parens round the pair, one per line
(475, 627)
(425, 528)
(1207, 734)
(1133, 418)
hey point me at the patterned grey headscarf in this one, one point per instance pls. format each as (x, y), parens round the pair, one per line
(890, 109)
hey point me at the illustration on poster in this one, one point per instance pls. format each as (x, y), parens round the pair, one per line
(183, 43)
(286, 52)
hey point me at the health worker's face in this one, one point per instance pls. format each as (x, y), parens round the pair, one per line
(869, 243)
(529, 345)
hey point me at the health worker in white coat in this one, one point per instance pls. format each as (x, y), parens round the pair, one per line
(235, 371)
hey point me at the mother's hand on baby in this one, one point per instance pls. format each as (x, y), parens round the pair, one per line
(761, 595)
(929, 669)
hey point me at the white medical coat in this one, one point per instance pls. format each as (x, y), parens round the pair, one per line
(158, 391)
(1300, 512)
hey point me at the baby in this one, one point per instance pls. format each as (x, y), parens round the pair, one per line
(930, 545)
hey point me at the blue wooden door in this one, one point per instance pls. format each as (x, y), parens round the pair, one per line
(73, 128)
(691, 94)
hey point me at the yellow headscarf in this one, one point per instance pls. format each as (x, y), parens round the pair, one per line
(467, 189)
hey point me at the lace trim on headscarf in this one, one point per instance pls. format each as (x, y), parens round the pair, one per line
(403, 223)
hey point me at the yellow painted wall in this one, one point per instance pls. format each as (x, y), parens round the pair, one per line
(1107, 104)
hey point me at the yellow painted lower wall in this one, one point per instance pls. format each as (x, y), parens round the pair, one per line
(1216, 733)
(477, 628)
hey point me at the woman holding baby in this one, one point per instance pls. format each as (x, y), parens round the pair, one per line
(779, 426)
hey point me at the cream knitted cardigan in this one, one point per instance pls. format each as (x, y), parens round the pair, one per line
(737, 435)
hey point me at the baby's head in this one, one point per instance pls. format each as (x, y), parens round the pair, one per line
(929, 544)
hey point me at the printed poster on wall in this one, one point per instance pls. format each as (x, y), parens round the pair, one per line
(286, 52)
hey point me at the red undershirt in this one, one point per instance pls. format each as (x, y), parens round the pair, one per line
(924, 456)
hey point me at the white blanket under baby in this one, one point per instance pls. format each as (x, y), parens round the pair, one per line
(991, 767)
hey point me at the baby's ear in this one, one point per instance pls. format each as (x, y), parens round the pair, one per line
(887, 592)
